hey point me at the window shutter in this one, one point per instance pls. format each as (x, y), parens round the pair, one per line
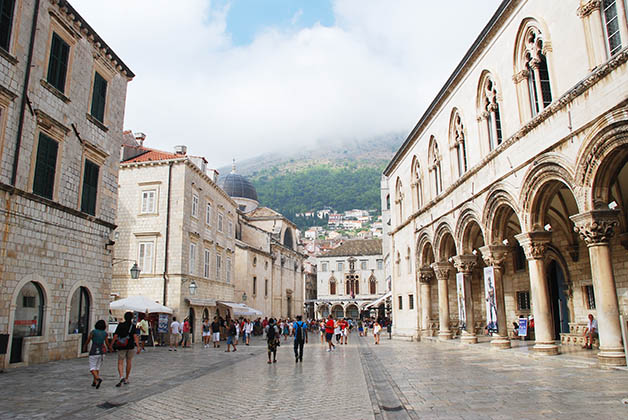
(90, 188)
(45, 166)
(99, 96)
(6, 22)
(58, 65)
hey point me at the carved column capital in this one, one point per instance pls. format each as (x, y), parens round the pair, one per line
(494, 255)
(426, 274)
(595, 227)
(534, 244)
(520, 76)
(441, 270)
(465, 263)
(587, 8)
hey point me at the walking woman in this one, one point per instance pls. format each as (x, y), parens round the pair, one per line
(100, 342)
(272, 338)
(377, 329)
(125, 341)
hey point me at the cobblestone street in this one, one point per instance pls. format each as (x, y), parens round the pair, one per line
(396, 379)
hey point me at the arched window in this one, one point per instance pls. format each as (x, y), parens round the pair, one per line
(28, 322)
(611, 26)
(408, 264)
(398, 263)
(458, 142)
(533, 68)
(399, 200)
(79, 313)
(332, 285)
(435, 166)
(489, 111)
(388, 202)
(417, 185)
(372, 285)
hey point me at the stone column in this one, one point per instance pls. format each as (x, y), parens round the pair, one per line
(442, 270)
(464, 264)
(494, 256)
(534, 245)
(591, 16)
(426, 275)
(596, 228)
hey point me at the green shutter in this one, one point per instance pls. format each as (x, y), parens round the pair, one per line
(99, 96)
(90, 188)
(45, 166)
(58, 65)
(6, 22)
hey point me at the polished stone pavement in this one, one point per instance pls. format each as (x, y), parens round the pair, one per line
(395, 380)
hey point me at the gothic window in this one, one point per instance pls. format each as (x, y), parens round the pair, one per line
(332, 285)
(611, 26)
(435, 166)
(417, 184)
(535, 71)
(458, 142)
(372, 285)
(490, 115)
(399, 200)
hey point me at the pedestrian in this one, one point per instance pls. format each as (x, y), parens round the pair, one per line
(215, 327)
(231, 335)
(337, 332)
(329, 332)
(100, 342)
(377, 329)
(248, 329)
(175, 333)
(321, 327)
(142, 327)
(206, 333)
(344, 330)
(272, 339)
(299, 330)
(286, 330)
(590, 332)
(360, 328)
(237, 334)
(185, 340)
(125, 340)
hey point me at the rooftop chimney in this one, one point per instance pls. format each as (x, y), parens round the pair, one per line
(140, 137)
(180, 149)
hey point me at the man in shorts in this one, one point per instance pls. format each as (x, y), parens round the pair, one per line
(206, 333)
(215, 327)
(329, 332)
(175, 333)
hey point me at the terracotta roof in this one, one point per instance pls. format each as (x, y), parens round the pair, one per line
(356, 247)
(150, 155)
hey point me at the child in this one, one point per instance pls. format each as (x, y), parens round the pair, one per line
(98, 337)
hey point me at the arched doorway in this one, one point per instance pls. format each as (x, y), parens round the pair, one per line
(205, 314)
(338, 312)
(324, 311)
(352, 312)
(80, 307)
(192, 321)
(558, 291)
(28, 321)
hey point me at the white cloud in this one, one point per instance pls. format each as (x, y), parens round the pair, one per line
(371, 74)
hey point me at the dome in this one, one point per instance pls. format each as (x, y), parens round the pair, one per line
(238, 186)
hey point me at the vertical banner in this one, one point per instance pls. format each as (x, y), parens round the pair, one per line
(491, 302)
(162, 326)
(462, 310)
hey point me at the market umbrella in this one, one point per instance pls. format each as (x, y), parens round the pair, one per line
(139, 304)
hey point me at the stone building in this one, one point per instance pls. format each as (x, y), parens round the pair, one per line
(62, 100)
(268, 265)
(515, 176)
(178, 225)
(350, 278)
(311, 292)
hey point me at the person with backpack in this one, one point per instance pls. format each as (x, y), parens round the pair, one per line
(299, 330)
(272, 339)
(125, 340)
(100, 342)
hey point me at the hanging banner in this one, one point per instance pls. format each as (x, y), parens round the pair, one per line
(162, 326)
(462, 310)
(489, 296)
(523, 327)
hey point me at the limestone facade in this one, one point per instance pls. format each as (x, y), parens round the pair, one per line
(519, 164)
(179, 226)
(350, 277)
(62, 101)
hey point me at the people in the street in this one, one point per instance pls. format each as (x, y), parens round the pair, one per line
(248, 330)
(344, 330)
(299, 330)
(329, 332)
(186, 328)
(142, 327)
(175, 334)
(272, 340)
(377, 329)
(286, 329)
(590, 332)
(215, 327)
(322, 331)
(100, 343)
(231, 335)
(206, 333)
(125, 340)
(360, 328)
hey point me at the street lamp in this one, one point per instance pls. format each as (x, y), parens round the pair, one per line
(244, 296)
(193, 287)
(135, 270)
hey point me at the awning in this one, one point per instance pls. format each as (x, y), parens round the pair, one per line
(380, 300)
(200, 302)
(240, 309)
(139, 304)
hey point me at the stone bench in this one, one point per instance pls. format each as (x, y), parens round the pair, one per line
(574, 336)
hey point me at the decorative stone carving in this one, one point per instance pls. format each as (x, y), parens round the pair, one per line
(534, 244)
(596, 226)
(426, 274)
(520, 76)
(441, 270)
(494, 255)
(587, 8)
(465, 263)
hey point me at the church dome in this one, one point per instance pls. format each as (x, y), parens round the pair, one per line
(238, 186)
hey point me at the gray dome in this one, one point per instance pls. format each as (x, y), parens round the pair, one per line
(238, 186)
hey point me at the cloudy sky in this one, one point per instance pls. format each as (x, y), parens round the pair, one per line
(238, 78)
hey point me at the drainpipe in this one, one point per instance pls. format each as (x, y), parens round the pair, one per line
(27, 76)
(167, 234)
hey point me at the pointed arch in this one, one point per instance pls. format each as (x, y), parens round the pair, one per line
(444, 243)
(417, 184)
(435, 166)
(489, 98)
(499, 199)
(458, 141)
(399, 200)
(468, 216)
